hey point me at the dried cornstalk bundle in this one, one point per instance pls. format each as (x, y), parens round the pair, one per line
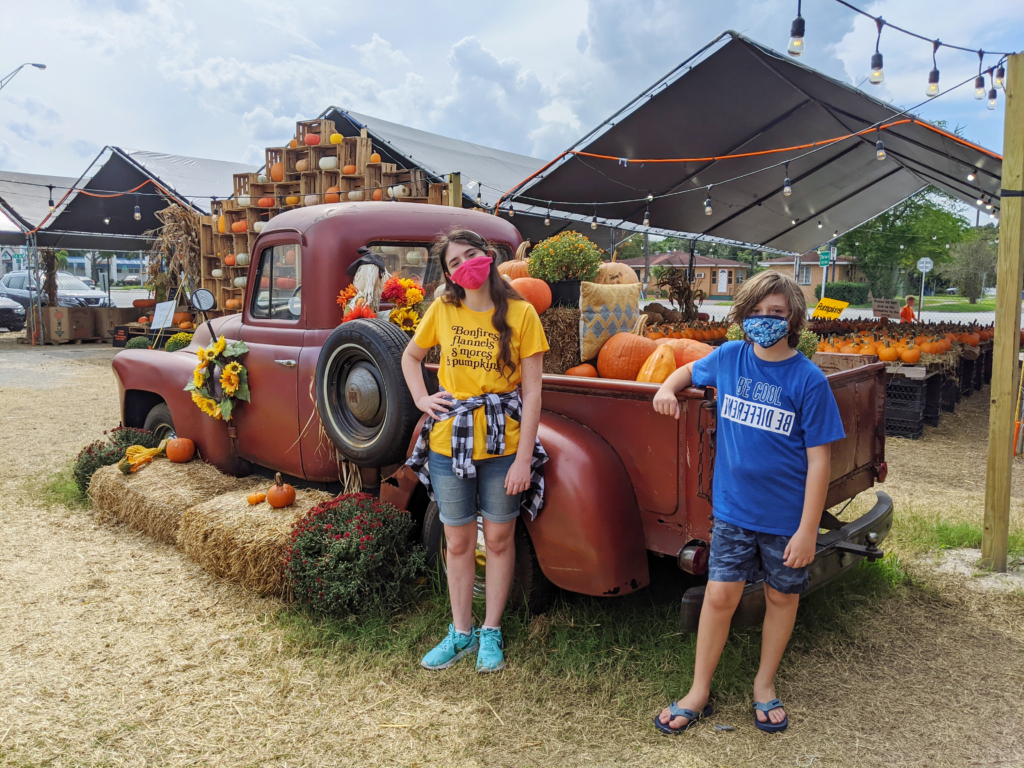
(681, 292)
(177, 244)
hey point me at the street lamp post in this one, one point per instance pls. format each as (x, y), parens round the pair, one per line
(10, 77)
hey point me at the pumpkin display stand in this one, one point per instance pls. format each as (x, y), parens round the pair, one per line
(154, 500)
(233, 539)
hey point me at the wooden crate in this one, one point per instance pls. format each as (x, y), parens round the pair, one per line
(324, 128)
(275, 155)
(254, 215)
(316, 154)
(230, 217)
(437, 194)
(330, 179)
(291, 159)
(373, 177)
(309, 184)
(258, 191)
(205, 236)
(356, 150)
(284, 190)
(241, 182)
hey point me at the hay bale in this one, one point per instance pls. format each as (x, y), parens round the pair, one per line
(562, 328)
(154, 499)
(234, 540)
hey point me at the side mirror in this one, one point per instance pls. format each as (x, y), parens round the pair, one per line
(203, 300)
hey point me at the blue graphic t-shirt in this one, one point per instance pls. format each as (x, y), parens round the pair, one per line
(769, 414)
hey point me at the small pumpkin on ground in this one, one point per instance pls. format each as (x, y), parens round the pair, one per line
(256, 498)
(180, 450)
(535, 291)
(585, 370)
(280, 494)
(659, 366)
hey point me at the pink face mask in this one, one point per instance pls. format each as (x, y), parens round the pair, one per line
(473, 273)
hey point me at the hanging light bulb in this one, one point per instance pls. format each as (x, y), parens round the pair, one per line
(992, 99)
(787, 186)
(877, 76)
(106, 219)
(947, 246)
(593, 221)
(796, 34)
(1000, 77)
(792, 221)
(879, 150)
(819, 225)
(988, 205)
(935, 237)
(857, 242)
(971, 176)
(138, 213)
(511, 211)
(979, 201)
(50, 187)
(707, 203)
(650, 198)
(979, 88)
(547, 218)
(479, 200)
(647, 217)
(933, 77)
(901, 246)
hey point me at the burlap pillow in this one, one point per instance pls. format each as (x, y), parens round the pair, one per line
(604, 311)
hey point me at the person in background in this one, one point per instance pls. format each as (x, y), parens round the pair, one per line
(907, 313)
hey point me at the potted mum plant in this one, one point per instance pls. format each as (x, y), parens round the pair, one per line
(563, 262)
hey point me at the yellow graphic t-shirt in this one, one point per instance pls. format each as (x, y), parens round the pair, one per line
(469, 363)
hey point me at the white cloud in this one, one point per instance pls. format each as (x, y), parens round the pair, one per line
(378, 52)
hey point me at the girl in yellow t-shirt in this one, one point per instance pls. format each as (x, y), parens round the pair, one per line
(478, 452)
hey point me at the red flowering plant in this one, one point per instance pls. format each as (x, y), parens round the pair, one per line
(353, 554)
(103, 453)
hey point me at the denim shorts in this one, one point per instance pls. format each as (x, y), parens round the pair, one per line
(741, 555)
(460, 500)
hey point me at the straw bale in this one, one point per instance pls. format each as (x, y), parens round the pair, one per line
(154, 499)
(234, 540)
(562, 328)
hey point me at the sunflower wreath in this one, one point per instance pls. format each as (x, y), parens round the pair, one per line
(234, 379)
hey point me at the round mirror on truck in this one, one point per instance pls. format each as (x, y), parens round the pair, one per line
(203, 300)
(364, 404)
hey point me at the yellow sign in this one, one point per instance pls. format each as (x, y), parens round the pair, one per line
(830, 309)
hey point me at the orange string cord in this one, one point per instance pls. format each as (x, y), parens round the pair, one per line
(497, 205)
(96, 194)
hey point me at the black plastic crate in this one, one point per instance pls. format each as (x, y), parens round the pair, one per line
(950, 392)
(913, 428)
(987, 357)
(905, 394)
(967, 368)
(933, 399)
(979, 372)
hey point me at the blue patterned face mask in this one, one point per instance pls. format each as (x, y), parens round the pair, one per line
(766, 330)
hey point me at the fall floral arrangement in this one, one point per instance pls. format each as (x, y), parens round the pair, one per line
(566, 256)
(233, 380)
(353, 554)
(404, 293)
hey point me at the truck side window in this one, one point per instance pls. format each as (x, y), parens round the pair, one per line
(279, 284)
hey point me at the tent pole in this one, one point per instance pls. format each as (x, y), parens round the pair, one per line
(995, 539)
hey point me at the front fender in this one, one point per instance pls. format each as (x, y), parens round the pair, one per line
(588, 537)
(150, 372)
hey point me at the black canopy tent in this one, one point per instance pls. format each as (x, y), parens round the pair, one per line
(24, 200)
(735, 97)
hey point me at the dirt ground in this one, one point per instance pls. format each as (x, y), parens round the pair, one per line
(115, 650)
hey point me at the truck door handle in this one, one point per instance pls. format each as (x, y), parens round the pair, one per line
(286, 363)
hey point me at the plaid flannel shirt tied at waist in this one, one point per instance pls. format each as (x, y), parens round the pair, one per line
(496, 409)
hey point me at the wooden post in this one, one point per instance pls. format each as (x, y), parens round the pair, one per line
(455, 190)
(1004, 357)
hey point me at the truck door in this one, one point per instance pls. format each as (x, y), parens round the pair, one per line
(273, 328)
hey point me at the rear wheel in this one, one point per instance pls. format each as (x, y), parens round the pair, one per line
(530, 587)
(159, 421)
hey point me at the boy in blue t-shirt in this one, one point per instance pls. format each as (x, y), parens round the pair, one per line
(776, 418)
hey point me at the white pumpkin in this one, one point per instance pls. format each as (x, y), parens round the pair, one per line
(243, 201)
(312, 200)
(328, 163)
(242, 260)
(217, 273)
(262, 178)
(240, 282)
(356, 195)
(259, 225)
(400, 191)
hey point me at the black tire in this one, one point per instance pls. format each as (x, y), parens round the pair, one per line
(16, 328)
(370, 350)
(159, 421)
(530, 587)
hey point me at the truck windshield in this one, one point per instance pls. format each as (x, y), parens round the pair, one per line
(414, 260)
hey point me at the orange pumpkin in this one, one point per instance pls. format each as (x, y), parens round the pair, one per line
(285, 283)
(659, 366)
(289, 256)
(910, 355)
(238, 227)
(623, 355)
(185, 325)
(517, 267)
(256, 498)
(265, 202)
(378, 194)
(887, 353)
(280, 494)
(181, 317)
(294, 143)
(144, 303)
(374, 158)
(277, 172)
(687, 350)
(535, 291)
(144, 320)
(332, 195)
(349, 170)
(229, 260)
(233, 304)
(180, 450)
(586, 370)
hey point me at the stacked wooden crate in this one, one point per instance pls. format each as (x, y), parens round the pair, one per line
(326, 168)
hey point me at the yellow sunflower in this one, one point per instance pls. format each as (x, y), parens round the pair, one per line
(405, 318)
(217, 348)
(206, 405)
(202, 355)
(229, 378)
(199, 375)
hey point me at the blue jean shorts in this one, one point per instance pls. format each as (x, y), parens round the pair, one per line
(741, 555)
(460, 500)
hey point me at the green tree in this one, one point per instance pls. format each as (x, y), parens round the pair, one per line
(60, 258)
(922, 224)
(973, 264)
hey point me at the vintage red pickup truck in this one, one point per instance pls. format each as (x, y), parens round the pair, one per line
(623, 483)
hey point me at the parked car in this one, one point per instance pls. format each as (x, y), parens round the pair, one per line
(12, 314)
(132, 280)
(88, 281)
(622, 480)
(71, 291)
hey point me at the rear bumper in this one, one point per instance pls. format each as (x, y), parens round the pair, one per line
(829, 563)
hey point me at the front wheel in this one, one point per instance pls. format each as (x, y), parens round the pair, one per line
(530, 587)
(159, 422)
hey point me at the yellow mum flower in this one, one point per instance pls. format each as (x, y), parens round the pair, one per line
(414, 295)
(206, 405)
(229, 379)
(405, 318)
(199, 376)
(217, 348)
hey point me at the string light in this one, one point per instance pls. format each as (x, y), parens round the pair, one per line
(647, 217)
(979, 81)
(479, 200)
(593, 221)
(793, 222)
(901, 246)
(796, 33)
(1000, 77)
(992, 99)
(979, 201)
(138, 211)
(707, 202)
(879, 147)
(971, 176)
(106, 219)
(877, 76)
(819, 225)
(51, 197)
(511, 211)
(547, 218)
(787, 186)
(933, 77)
(988, 205)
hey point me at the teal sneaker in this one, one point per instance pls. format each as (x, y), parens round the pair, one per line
(490, 657)
(451, 649)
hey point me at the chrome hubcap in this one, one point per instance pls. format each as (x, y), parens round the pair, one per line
(362, 395)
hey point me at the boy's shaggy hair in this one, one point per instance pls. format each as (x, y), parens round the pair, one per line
(764, 284)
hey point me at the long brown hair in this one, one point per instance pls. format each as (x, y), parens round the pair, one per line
(764, 284)
(500, 290)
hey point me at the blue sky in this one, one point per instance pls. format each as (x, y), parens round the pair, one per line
(225, 79)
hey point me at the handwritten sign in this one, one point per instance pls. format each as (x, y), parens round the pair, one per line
(163, 313)
(830, 309)
(885, 308)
